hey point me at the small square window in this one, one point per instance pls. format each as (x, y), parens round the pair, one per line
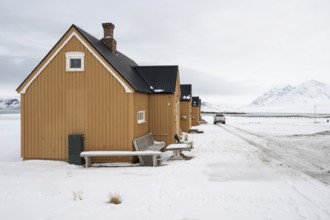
(75, 61)
(141, 117)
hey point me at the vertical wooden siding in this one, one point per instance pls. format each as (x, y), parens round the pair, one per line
(177, 95)
(165, 115)
(59, 103)
(185, 110)
(195, 116)
(141, 103)
(161, 117)
(22, 124)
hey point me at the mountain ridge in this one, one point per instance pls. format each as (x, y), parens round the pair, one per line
(310, 92)
(9, 103)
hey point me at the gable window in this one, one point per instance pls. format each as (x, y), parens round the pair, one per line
(141, 117)
(75, 61)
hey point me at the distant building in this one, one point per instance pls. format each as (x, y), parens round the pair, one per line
(196, 110)
(185, 107)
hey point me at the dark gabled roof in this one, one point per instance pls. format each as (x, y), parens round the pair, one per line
(122, 64)
(185, 92)
(195, 101)
(161, 79)
(140, 78)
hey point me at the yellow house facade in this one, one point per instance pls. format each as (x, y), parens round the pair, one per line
(86, 86)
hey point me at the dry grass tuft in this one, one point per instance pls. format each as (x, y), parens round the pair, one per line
(115, 199)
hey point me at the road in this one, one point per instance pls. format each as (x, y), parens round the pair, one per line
(289, 152)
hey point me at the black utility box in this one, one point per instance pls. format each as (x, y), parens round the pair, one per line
(76, 146)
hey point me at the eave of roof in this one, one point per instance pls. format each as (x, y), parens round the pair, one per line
(19, 87)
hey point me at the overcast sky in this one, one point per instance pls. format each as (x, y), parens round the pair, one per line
(232, 49)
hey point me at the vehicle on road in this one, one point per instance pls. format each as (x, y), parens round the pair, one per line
(219, 118)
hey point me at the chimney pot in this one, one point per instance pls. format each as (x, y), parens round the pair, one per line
(108, 29)
(108, 39)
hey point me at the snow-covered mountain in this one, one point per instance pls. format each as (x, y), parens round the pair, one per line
(9, 103)
(309, 96)
(272, 95)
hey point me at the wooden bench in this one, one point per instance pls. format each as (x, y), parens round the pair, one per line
(88, 154)
(147, 143)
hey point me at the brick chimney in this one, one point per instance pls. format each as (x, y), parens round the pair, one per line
(108, 39)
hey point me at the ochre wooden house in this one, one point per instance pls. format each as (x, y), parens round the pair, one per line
(196, 110)
(86, 86)
(185, 107)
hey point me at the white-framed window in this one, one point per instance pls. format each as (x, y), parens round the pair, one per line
(141, 117)
(75, 61)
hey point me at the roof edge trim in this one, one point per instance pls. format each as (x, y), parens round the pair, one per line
(74, 34)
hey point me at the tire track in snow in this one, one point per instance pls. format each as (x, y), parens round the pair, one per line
(283, 145)
(240, 133)
(319, 173)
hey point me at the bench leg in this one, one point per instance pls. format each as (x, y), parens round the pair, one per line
(177, 153)
(87, 161)
(141, 160)
(154, 160)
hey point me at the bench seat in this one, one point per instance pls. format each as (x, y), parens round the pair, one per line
(88, 154)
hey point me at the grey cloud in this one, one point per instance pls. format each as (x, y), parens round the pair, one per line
(222, 47)
(14, 70)
(204, 83)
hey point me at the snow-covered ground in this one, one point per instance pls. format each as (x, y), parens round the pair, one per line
(294, 108)
(280, 125)
(9, 137)
(302, 143)
(227, 178)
